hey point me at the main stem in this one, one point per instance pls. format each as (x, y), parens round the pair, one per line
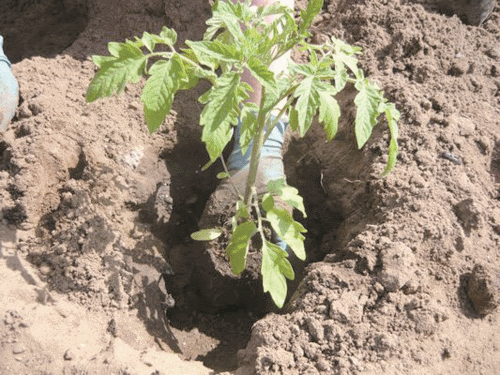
(258, 141)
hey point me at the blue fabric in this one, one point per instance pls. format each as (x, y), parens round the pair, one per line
(9, 90)
(271, 149)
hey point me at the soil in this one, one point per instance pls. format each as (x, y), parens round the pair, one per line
(99, 275)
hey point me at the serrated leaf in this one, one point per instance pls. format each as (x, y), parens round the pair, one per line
(291, 196)
(329, 114)
(248, 127)
(200, 51)
(169, 36)
(289, 230)
(307, 16)
(273, 9)
(206, 234)
(367, 102)
(307, 103)
(344, 55)
(262, 73)
(149, 41)
(160, 88)
(275, 267)
(216, 138)
(100, 60)
(220, 113)
(237, 249)
(212, 53)
(275, 186)
(392, 115)
(126, 64)
(224, 16)
(302, 69)
(340, 76)
(287, 193)
(273, 97)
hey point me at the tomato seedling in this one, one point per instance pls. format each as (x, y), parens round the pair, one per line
(238, 38)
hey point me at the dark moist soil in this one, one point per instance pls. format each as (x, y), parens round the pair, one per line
(96, 213)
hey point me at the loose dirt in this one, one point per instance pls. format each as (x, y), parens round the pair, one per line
(99, 275)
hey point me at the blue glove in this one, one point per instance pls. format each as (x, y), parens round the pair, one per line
(9, 90)
(271, 160)
(271, 149)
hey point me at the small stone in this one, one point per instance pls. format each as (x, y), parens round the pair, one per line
(323, 365)
(379, 288)
(112, 329)
(411, 287)
(25, 112)
(458, 68)
(18, 349)
(424, 158)
(35, 108)
(348, 309)
(483, 289)
(398, 267)
(494, 53)
(424, 320)
(315, 329)
(464, 126)
(468, 213)
(460, 243)
(446, 353)
(68, 355)
(45, 269)
(418, 181)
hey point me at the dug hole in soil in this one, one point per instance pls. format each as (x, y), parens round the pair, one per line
(403, 272)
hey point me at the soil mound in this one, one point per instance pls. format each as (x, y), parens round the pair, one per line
(96, 213)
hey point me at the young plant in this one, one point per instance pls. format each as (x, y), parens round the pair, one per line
(238, 38)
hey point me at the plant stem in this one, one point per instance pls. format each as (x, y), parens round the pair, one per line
(229, 176)
(258, 141)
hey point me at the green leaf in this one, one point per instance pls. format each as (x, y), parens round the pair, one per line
(149, 41)
(206, 234)
(160, 88)
(267, 202)
(344, 54)
(262, 73)
(392, 115)
(222, 175)
(307, 103)
(329, 113)
(216, 137)
(275, 186)
(126, 64)
(241, 213)
(237, 249)
(224, 16)
(289, 230)
(294, 119)
(307, 16)
(367, 101)
(212, 53)
(168, 36)
(275, 267)
(219, 113)
(287, 193)
(340, 76)
(248, 126)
